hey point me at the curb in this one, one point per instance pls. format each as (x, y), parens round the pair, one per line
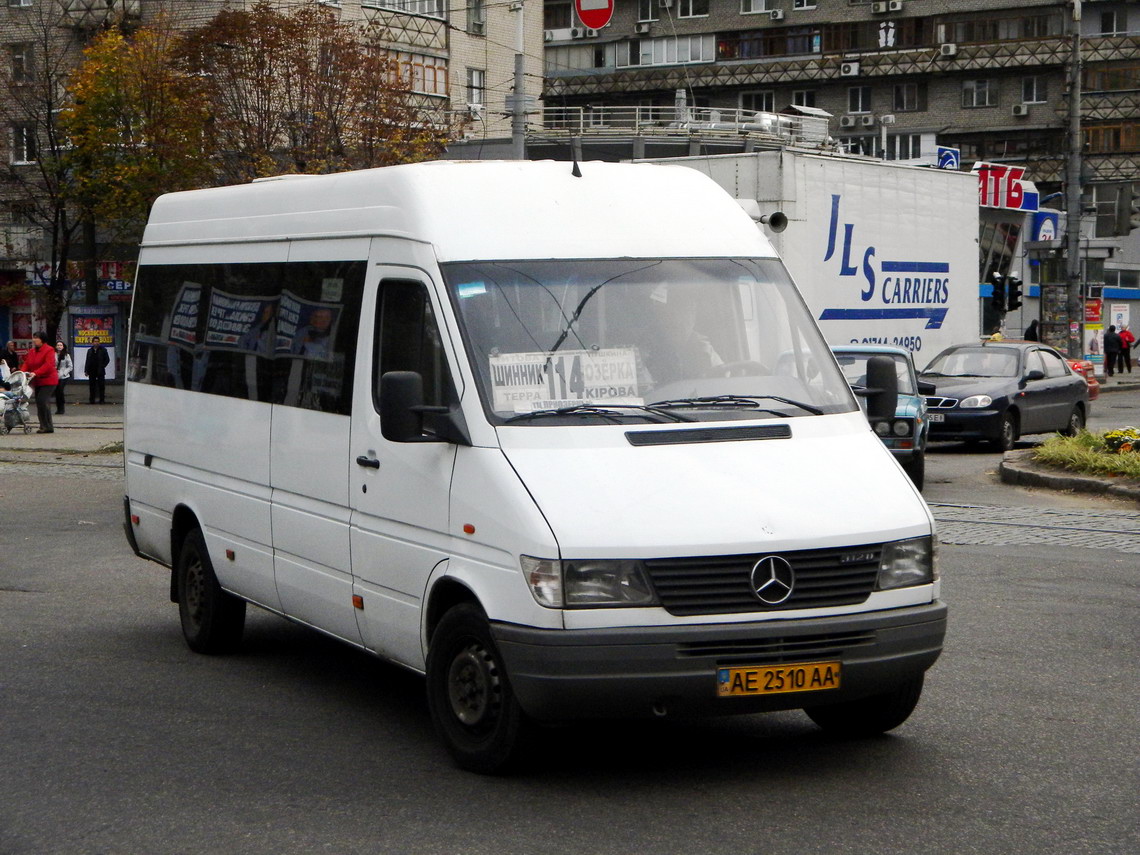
(1018, 467)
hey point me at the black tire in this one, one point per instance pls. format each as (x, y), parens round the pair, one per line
(1076, 422)
(869, 716)
(1008, 432)
(916, 469)
(212, 620)
(469, 694)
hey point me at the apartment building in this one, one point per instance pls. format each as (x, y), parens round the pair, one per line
(458, 56)
(898, 78)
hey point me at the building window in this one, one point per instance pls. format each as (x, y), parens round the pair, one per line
(556, 16)
(858, 99)
(752, 7)
(803, 97)
(904, 146)
(21, 62)
(909, 97)
(476, 86)
(476, 17)
(23, 144)
(1106, 139)
(758, 102)
(647, 10)
(1033, 90)
(692, 8)
(1112, 79)
(426, 75)
(666, 51)
(19, 4)
(429, 8)
(804, 4)
(979, 93)
(1109, 24)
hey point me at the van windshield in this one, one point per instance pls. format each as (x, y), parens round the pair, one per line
(648, 339)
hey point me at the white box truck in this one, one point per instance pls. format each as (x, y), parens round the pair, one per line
(567, 442)
(883, 252)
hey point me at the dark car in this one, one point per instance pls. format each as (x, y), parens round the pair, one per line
(1000, 390)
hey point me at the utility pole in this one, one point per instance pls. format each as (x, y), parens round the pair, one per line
(518, 102)
(1073, 194)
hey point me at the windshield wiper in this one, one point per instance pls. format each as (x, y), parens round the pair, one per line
(599, 410)
(736, 401)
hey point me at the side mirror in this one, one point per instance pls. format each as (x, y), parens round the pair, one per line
(882, 389)
(1034, 374)
(925, 387)
(403, 412)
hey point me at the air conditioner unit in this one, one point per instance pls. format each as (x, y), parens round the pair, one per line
(894, 5)
(867, 121)
(475, 111)
(1021, 109)
(548, 35)
(591, 33)
(948, 49)
(776, 14)
(577, 32)
(848, 69)
(641, 28)
(847, 121)
(888, 119)
(879, 8)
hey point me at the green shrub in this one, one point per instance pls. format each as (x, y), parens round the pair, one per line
(1115, 453)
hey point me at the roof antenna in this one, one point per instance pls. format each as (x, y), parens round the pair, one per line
(576, 155)
(576, 172)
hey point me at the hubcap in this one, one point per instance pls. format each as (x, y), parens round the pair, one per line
(473, 685)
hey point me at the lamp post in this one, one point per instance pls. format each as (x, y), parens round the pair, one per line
(1076, 309)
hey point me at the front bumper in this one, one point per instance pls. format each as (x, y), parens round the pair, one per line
(967, 424)
(646, 671)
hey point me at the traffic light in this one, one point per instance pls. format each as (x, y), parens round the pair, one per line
(1013, 293)
(997, 296)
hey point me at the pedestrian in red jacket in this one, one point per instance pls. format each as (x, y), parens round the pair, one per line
(39, 361)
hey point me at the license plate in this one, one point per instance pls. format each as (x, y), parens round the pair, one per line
(937, 417)
(777, 679)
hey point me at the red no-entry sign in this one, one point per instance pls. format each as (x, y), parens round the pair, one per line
(595, 14)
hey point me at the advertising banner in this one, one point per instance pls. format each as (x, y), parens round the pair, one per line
(306, 328)
(86, 329)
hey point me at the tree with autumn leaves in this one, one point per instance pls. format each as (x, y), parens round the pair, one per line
(254, 92)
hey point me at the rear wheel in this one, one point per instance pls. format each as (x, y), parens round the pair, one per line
(1008, 432)
(212, 620)
(469, 694)
(1076, 422)
(869, 716)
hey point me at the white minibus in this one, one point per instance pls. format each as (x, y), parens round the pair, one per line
(562, 438)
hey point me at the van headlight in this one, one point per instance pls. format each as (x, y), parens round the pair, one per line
(586, 583)
(908, 562)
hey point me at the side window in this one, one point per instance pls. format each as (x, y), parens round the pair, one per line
(1054, 365)
(408, 339)
(1033, 362)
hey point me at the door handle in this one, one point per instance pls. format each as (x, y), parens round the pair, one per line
(369, 462)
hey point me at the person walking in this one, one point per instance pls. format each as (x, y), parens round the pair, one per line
(63, 367)
(1127, 342)
(1111, 349)
(1031, 333)
(95, 367)
(39, 361)
(9, 355)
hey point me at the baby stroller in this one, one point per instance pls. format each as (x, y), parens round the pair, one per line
(14, 403)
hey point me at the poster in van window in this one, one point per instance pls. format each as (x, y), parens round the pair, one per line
(306, 328)
(523, 382)
(87, 329)
(184, 320)
(242, 323)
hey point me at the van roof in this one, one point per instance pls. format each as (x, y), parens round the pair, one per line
(477, 210)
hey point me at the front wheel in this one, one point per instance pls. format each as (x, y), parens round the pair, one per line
(869, 716)
(1076, 422)
(1007, 432)
(916, 469)
(212, 620)
(469, 694)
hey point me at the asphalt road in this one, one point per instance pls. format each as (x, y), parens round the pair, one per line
(115, 738)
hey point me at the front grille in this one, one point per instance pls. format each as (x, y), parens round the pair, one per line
(795, 648)
(721, 584)
(937, 403)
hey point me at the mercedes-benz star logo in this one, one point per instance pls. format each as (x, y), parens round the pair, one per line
(772, 580)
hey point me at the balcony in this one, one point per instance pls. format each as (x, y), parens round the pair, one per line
(94, 14)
